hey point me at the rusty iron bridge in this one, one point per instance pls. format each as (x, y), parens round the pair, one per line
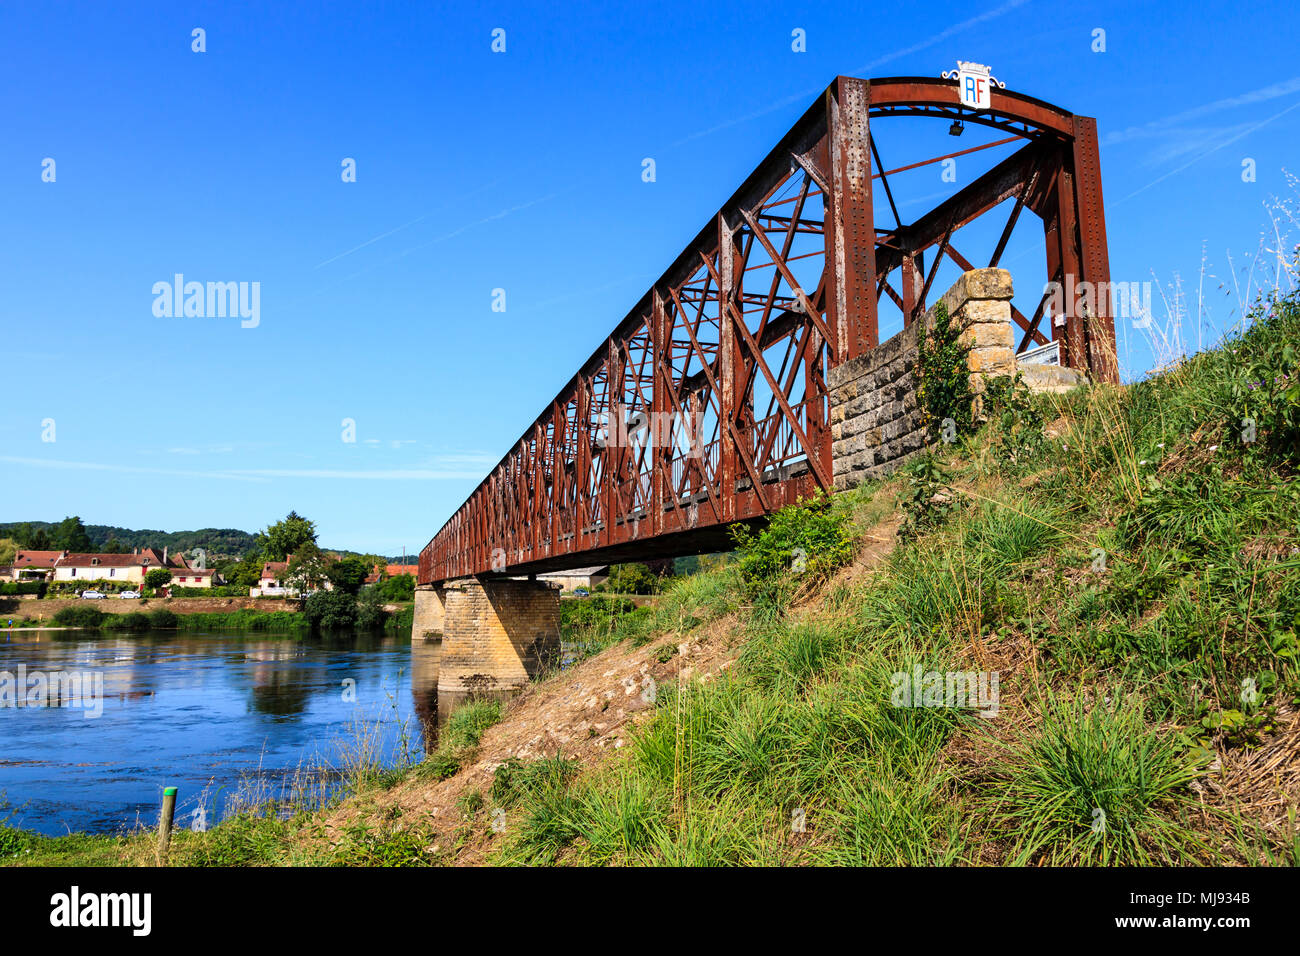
(707, 404)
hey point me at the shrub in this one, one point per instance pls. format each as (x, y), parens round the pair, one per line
(22, 587)
(809, 540)
(928, 499)
(161, 617)
(401, 587)
(631, 579)
(370, 610)
(330, 610)
(79, 616)
(157, 578)
(943, 376)
(135, 621)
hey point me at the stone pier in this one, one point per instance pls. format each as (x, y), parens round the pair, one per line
(430, 612)
(496, 634)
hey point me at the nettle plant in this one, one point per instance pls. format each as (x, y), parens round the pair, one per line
(943, 376)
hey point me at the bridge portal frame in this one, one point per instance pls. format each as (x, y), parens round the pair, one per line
(655, 447)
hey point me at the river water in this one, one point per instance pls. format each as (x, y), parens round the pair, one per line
(227, 718)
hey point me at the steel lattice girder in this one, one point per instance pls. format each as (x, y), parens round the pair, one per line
(707, 405)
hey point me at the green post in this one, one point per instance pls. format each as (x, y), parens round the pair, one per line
(165, 824)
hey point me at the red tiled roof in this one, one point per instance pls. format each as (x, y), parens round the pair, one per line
(36, 559)
(91, 559)
(273, 569)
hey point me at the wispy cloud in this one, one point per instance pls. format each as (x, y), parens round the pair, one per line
(1214, 149)
(263, 474)
(802, 97)
(394, 474)
(1173, 124)
(124, 469)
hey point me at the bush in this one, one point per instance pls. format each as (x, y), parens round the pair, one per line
(330, 610)
(135, 621)
(370, 610)
(398, 588)
(943, 375)
(22, 587)
(79, 616)
(161, 617)
(631, 579)
(157, 578)
(806, 541)
(1264, 388)
(223, 590)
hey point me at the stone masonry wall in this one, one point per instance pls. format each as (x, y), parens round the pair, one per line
(497, 634)
(47, 607)
(876, 418)
(428, 617)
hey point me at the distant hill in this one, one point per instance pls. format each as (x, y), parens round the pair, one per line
(219, 543)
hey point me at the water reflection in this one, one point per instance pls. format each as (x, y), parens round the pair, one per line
(205, 712)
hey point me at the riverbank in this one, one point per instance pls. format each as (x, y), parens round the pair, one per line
(1067, 638)
(197, 614)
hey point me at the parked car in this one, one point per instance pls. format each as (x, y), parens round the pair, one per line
(581, 592)
(91, 595)
(129, 595)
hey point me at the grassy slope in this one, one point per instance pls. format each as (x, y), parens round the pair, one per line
(1125, 559)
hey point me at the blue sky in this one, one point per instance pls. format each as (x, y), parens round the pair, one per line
(478, 171)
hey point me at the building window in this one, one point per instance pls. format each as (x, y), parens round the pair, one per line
(112, 572)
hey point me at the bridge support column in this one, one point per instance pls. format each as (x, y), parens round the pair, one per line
(496, 635)
(430, 613)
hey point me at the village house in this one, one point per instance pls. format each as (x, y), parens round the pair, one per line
(58, 566)
(109, 567)
(392, 571)
(275, 583)
(185, 576)
(272, 582)
(34, 565)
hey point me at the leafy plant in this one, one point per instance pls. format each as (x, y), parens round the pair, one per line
(804, 542)
(943, 376)
(927, 499)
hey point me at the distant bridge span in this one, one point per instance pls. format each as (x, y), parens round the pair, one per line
(707, 404)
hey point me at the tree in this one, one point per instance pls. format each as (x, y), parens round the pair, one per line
(8, 550)
(112, 546)
(289, 536)
(309, 568)
(157, 578)
(330, 610)
(398, 588)
(349, 573)
(631, 579)
(70, 535)
(370, 609)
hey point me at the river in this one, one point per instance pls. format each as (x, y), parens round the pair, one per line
(227, 718)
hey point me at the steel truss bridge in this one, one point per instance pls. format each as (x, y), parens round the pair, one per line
(707, 403)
